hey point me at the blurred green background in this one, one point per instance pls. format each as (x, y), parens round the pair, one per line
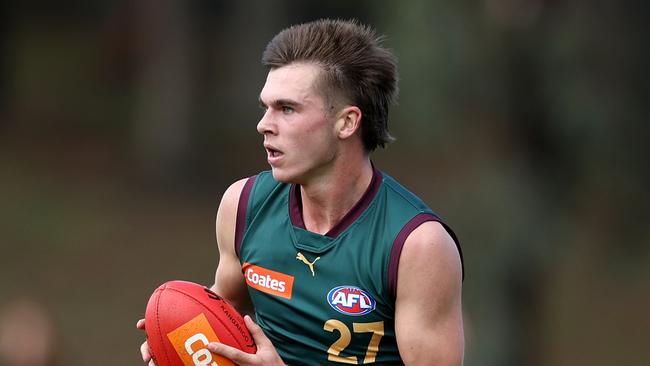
(522, 123)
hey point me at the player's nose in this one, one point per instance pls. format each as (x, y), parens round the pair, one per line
(266, 125)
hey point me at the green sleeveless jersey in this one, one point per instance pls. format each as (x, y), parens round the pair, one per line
(326, 299)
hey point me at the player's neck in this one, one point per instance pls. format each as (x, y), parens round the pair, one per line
(326, 201)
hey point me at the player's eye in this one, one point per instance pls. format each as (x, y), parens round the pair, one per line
(287, 109)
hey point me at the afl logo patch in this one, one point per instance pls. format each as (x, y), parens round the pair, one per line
(351, 300)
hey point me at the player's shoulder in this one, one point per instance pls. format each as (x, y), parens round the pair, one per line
(399, 193)
(243, 187)
(431, 239)
(232, 193)
(430, 245)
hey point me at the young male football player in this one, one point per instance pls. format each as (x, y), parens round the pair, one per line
(337, 261)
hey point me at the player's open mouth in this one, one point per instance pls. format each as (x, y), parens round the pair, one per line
(273, 153)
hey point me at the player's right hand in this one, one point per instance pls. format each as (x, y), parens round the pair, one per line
(144, 349)
(266, 353)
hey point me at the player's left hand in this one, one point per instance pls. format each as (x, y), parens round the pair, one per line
(266, 354)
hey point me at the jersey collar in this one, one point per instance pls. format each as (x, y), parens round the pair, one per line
(295, 206)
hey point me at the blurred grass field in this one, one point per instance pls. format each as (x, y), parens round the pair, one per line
(92, 250)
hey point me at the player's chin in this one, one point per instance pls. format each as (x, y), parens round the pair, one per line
(283, 175)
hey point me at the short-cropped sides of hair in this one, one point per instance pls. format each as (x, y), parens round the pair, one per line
(357, 69)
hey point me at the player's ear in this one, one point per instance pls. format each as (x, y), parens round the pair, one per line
(348, 122)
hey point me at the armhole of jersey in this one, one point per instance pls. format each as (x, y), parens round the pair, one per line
(242, 210)
(398, 244)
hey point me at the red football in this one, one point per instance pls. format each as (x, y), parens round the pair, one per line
(183, 317)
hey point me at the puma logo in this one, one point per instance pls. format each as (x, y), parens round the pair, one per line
(302, 258)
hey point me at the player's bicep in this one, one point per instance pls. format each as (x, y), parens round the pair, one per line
(428, 316)
(229, 280)
(229, 283)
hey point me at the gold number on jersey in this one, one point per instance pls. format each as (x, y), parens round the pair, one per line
(341, 343)
(376, 328)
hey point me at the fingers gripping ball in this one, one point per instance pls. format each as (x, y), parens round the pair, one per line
(183, 317)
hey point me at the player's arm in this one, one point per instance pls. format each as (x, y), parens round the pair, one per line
(229, 280)
(230, 284)
(428, 315)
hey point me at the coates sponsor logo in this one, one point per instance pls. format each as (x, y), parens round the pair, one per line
(351, 300)
(265, 280)
(190, 341)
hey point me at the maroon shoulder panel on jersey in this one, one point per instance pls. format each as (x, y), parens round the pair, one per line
(398, 245)
(242, 208)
